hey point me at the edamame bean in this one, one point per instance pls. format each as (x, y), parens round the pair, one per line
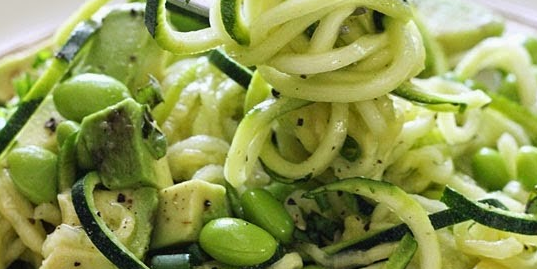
(65, 129)
(33, 171)
(526, 166)
(261, 208)
(236, 242)
(85, 94)
(489, 169)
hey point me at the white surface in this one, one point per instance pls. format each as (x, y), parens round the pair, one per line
(24, 21)
(523, 11)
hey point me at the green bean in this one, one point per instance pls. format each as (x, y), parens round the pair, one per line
(85, 94)
(237, 242)
(261, 208)
(526, 164)
(489, 169)
(66, 129)
(34, 173)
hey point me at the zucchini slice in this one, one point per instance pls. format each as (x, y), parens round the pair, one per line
(439, 220)
(489, 215)
(251, 135)
(515, 112)
(233, 22)
(101, 236)
(174, 41)
(434, 101)
(231, 68)
(401, 204)
(403, 253)
(53, 74)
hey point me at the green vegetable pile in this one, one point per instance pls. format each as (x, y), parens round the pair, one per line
(271, 134)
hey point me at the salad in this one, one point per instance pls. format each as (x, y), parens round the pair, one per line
(271, 134)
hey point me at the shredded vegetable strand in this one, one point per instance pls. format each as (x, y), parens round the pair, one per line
(320, 159)
(403, 206)
(251, 135)
(345, 86)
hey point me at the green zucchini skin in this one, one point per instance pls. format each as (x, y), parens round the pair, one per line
(403, 254)
(151, 15)
(17, 121)
(411, 92)
(489, 215)
(58, 68)
(101, 236)
(233, 21)
(439, 220)
(232, 69)
(77, 40)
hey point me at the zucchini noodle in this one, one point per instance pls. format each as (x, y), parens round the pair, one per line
(248, 141)
(505, 55)
(348, 85)
(183, 42)
(352, 258)
(31, 234)
(369, 149)
(321, 158)
(329, 64)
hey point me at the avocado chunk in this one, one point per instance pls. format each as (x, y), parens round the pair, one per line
(183, 210)
(124, 49)
(458, 25)
(124, 145)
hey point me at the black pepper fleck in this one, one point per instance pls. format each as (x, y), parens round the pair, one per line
(291, 201)
(51, 124)
(121, 198)
(275, 93)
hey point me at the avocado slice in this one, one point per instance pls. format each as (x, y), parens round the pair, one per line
(458, 25)
(183, 210)
(124, 145)
(124, 49)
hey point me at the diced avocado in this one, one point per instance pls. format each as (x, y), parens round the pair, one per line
(458, 25)
(183, 210)
(124, 145)
(124, 49)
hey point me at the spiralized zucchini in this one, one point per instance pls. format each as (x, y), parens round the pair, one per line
(346, 58)
(330, 108)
